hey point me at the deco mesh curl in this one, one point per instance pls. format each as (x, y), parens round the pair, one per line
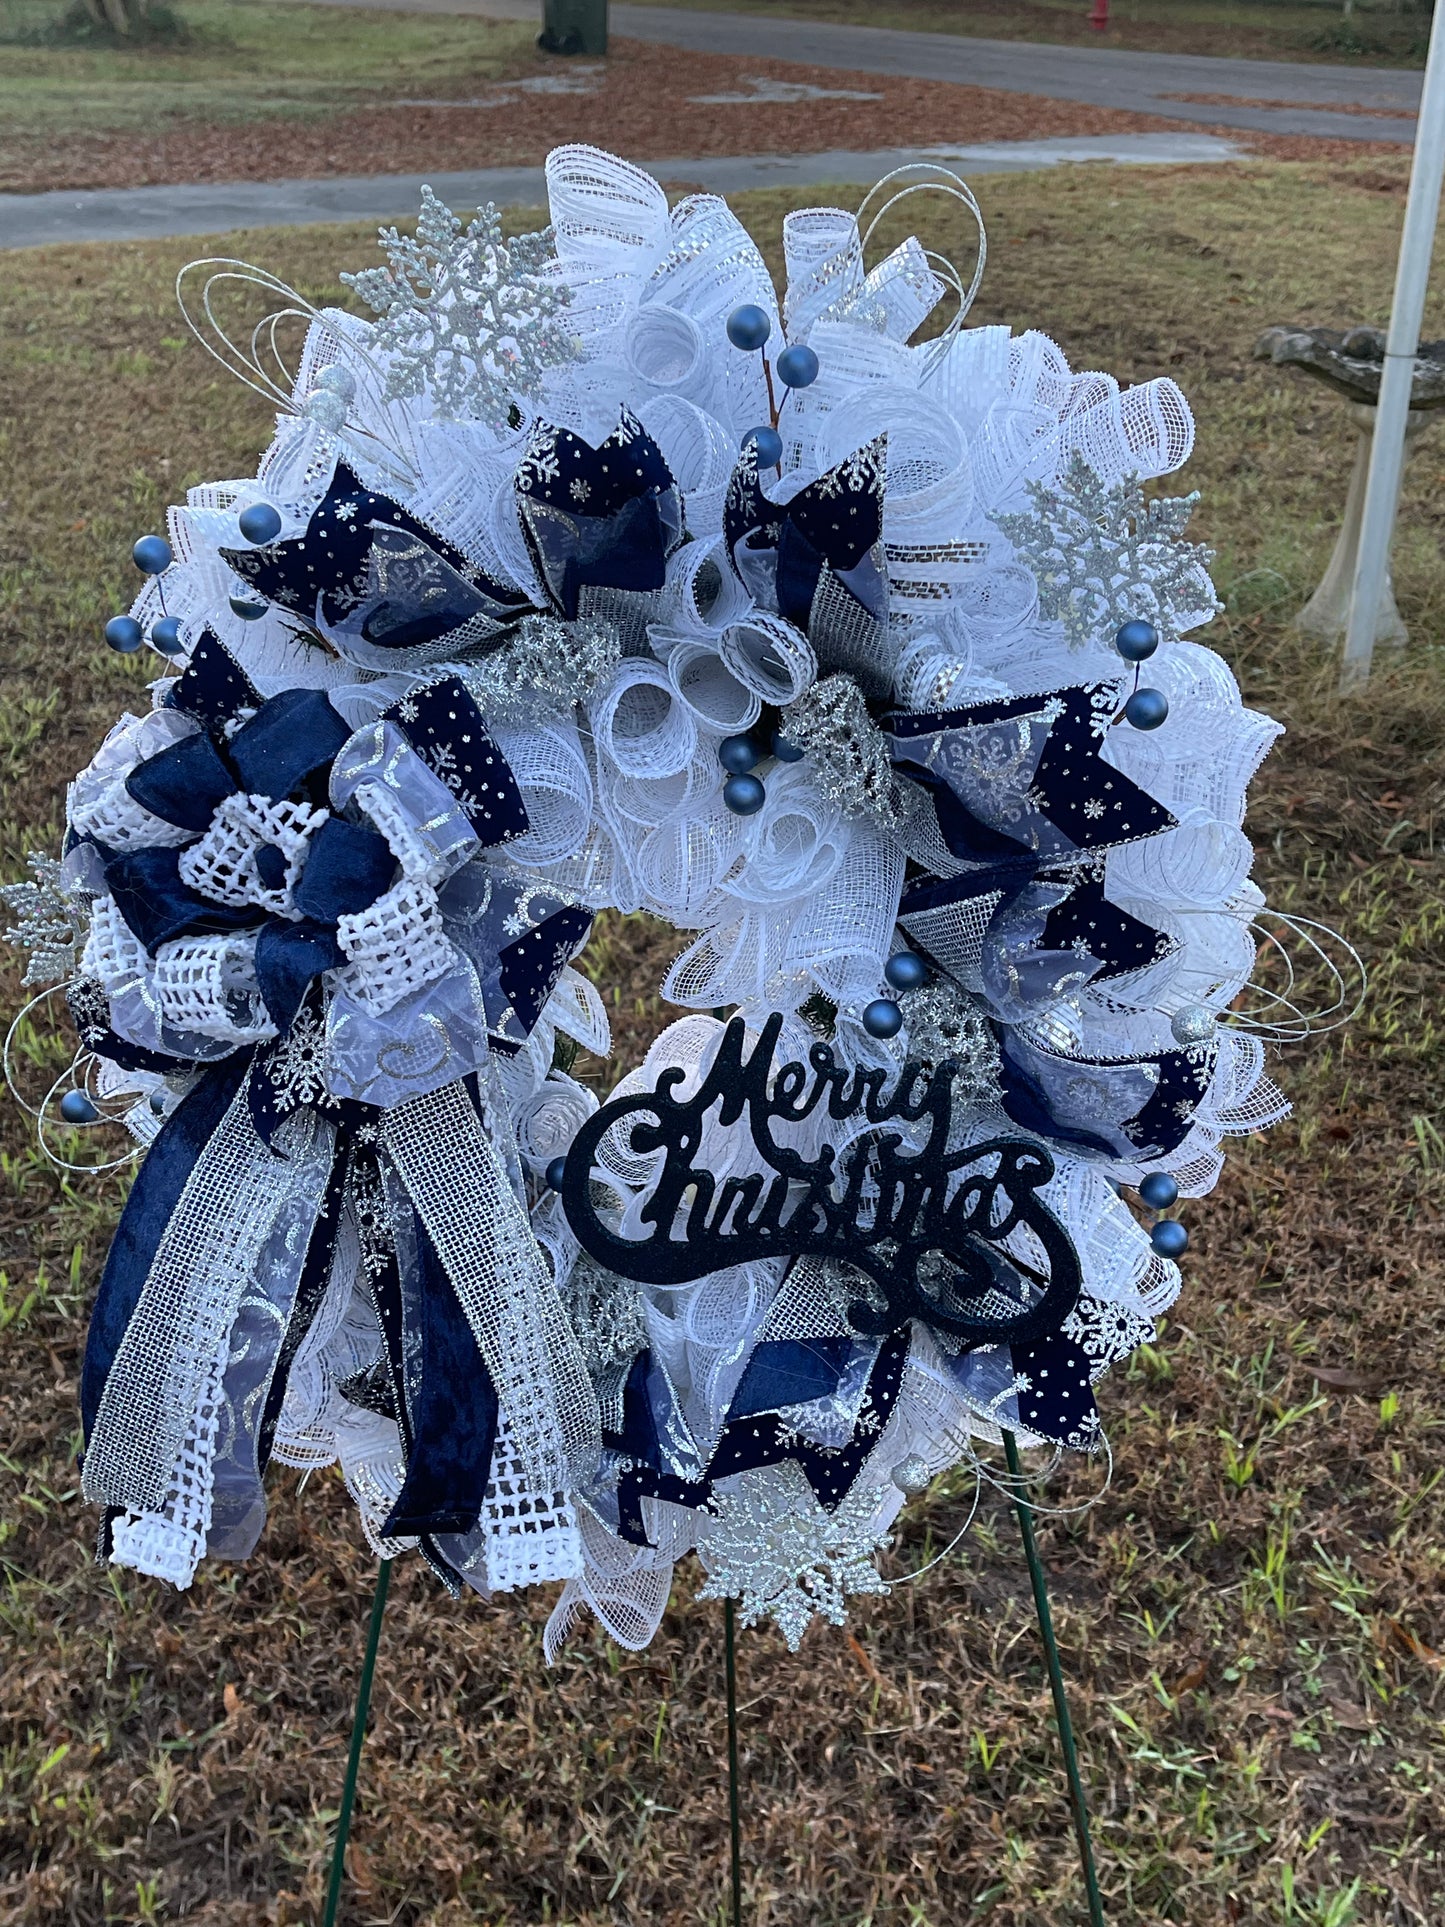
(321, 905)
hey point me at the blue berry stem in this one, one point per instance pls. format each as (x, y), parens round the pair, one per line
(773, 410)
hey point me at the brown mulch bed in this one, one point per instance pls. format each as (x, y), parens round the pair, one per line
(1318, 147)
(644, 108)
(1359, 107)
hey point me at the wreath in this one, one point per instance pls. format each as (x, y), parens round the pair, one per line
(589, 577)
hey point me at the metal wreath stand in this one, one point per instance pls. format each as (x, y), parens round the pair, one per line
(1038, 1582)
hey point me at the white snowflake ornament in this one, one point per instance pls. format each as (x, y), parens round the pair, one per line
(1102, 555)
(468, 319)
(774, 1549)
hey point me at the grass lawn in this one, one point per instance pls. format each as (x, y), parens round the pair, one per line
(1251, 1617)
(238, 60)
(1372, 33)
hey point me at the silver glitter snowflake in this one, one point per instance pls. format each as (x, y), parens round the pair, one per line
(466, 317)
(846, 750)
(544, 667)
(51, 923)
(774, 1549)
(297, 1066)
(1102, 555)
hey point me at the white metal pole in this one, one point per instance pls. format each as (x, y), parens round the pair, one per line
(1412, 274)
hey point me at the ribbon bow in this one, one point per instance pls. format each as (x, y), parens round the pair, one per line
(380, 584)
(817, 560)
(597, 519)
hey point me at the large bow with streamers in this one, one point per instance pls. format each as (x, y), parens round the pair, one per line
(288, 847)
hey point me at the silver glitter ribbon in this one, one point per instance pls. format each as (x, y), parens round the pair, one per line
(233, 1200)
(458, 1181)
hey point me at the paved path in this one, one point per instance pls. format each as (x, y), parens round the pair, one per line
(150, 213)
(1102, 76)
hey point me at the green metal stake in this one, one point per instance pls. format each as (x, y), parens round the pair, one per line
(734, 1810)
(358, 1734)
(1056, 1682)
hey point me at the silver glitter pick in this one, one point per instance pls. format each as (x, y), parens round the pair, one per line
(50, 923)
(944, 1022)
(1103, 556)
(544, 667)
(774, 1549)
(846, 750)
(466, 317)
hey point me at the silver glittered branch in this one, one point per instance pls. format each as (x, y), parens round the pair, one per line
(465, 316)
(544, 668)
(773, 1548)
(50, 922)
(1102, 555)
(850, 761)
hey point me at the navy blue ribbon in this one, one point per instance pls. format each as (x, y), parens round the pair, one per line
(833, 526)
(1077, 800)
(289, 956)
(292, 736)
(763, 1439)
(184, 784)
(450, 1406)
(213, 687)
(158, 906)
(605, 517)
(332, 569)
(790, 1371)
(152, 1203)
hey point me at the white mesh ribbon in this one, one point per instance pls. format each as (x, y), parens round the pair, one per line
(640, 723)
(824, 255)
(770, 657)
(712, 694)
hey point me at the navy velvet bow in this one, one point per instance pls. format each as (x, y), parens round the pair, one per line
(817, 560)
(597, 518)
(284, 747)
(368, 570)
(750, 1440)
(1063, 796)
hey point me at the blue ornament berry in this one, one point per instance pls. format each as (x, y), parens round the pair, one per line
(556, 1173)
(737, 754)
(797, 367)
(1158, 1190)
(124, 634)
(1169, 1238)
(748, 327)
(1146, 708)
(744, 795)
(785, 751)
(905, 970)
(247, 610)
(152, 555)
(158, 1103)
(1136, 641)
(76, 1108)
(259, 523)
(882, 1018)
(769, 444)
(166, 636)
